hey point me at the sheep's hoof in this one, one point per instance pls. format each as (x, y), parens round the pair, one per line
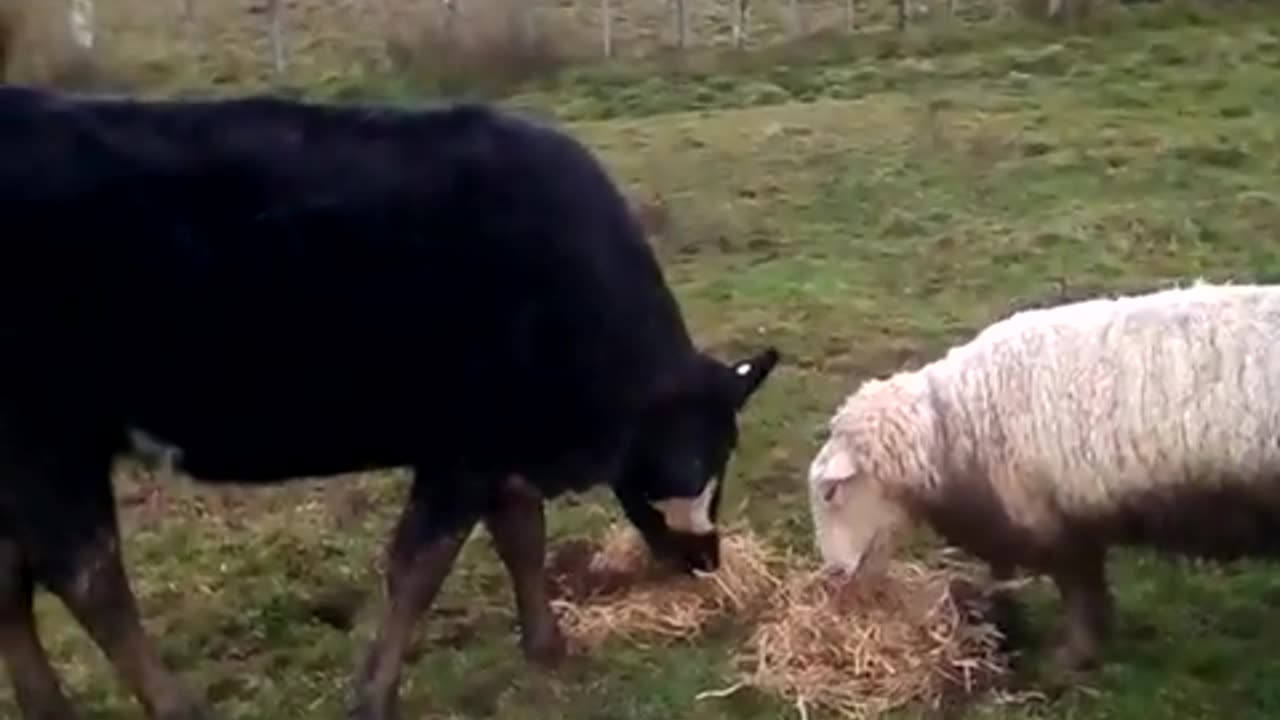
(1076, 657)
(1069, 666)
(1009, 620)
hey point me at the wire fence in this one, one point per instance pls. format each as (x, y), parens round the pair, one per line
(239, 41)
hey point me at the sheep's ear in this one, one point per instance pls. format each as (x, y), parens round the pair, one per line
(831, 474)
(750, 374)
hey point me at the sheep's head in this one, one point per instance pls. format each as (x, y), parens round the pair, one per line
(878, 451)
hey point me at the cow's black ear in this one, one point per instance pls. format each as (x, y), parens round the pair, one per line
(750, 373)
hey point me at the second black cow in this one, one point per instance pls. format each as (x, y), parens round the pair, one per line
(281, 289)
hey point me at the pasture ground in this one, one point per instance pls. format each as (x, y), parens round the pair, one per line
(862, 211)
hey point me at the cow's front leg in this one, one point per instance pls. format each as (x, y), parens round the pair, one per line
(518, 527)
(425, 545)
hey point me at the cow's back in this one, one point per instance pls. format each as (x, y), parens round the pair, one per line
(281, 288)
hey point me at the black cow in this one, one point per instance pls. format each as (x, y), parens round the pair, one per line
(280, 289)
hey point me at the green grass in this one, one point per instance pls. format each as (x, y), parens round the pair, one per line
(861, 208)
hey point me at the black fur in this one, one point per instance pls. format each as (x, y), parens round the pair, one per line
(282, 289)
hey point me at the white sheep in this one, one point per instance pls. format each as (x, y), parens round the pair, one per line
(1145, 420)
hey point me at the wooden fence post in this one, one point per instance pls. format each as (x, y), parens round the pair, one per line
(606, 27)
(739, 23)
(81, 21)
(450, 20)
(275, 23)
(682, 20)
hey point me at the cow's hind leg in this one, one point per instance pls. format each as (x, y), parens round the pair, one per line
(422, 551)
(68, 528)
(519, 534)
(97, 593)
(35, 684)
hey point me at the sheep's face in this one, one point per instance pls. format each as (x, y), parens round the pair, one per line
(855, 524)
(882, 449)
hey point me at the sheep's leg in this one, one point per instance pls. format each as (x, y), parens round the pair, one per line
(1006, 611)
(519, 534)
(1087, 605)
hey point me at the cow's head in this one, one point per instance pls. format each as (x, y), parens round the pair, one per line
(671, 484)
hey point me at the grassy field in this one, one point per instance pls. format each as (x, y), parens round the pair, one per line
(861, 207)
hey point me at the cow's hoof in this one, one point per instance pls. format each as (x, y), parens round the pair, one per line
(195, 712)
(49, 708)
(181, 704)
(547, 649)
(365, 709)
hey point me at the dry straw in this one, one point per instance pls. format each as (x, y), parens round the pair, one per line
(614, 589)
(914, 635)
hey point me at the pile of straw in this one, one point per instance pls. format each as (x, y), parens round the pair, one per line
(616, 590)
(858, 647)
(914, 635)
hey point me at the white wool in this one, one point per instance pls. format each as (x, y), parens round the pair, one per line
(1074, 408)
